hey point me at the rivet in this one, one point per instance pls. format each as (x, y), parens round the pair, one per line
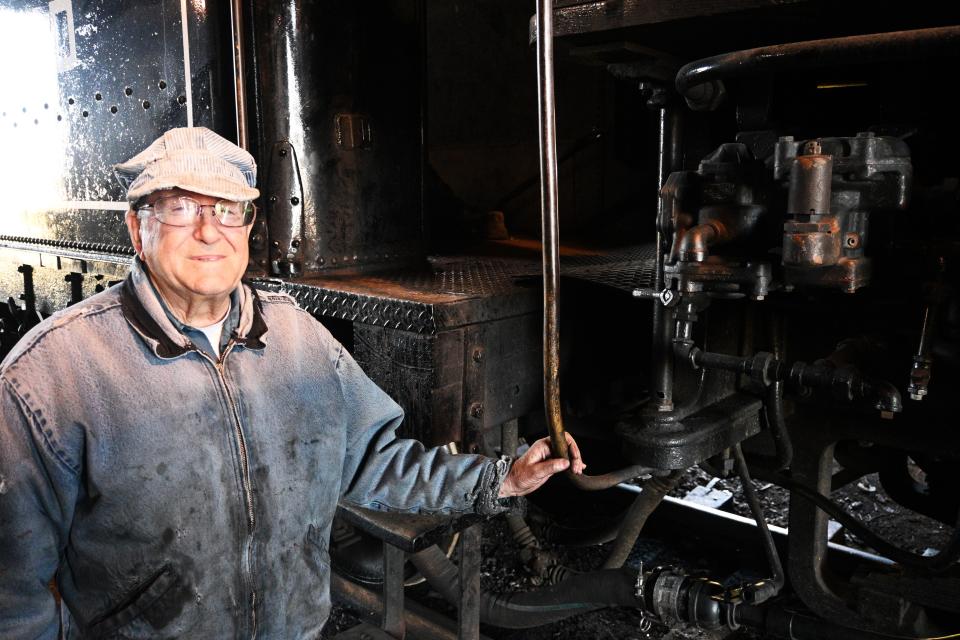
(182, 99)
(113, 109)
(283, 152)
(128, 91)
(146, 104)
(98, 96)
(478, 355)
(85, 113)
(476, 409)
(162, 84)
(294, 200)
(70, 100)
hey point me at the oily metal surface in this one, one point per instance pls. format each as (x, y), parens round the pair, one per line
(453, 291)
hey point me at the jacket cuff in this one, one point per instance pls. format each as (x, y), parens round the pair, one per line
(488, 488)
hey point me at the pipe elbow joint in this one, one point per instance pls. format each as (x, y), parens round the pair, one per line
(695, 243)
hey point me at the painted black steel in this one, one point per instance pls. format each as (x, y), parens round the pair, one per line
(107, 78)
(324, 68)
(873, 48)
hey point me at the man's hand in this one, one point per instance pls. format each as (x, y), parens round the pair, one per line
(535, 467)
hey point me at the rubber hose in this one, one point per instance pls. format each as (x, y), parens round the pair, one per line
(784, 624)
(578, 594)
(653, 493)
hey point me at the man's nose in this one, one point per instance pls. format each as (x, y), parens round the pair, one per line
(206, 228)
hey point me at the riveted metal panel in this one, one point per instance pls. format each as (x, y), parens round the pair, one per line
(87, 84)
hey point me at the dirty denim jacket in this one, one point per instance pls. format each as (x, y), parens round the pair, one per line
(176, 496)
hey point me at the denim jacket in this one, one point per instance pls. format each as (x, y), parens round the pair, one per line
(172, 495)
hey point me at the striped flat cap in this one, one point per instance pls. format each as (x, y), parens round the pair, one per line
(191, 158)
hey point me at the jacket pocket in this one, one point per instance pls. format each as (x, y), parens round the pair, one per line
(151, 601)
(316, 550)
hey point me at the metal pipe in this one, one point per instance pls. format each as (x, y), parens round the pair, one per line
(551, 257)
(765, 590)
(944, 559)
(773, 409)
(813, 54)
(420, 621)
(668, 161)
(239, 76)
(550, 226)
(696, 242)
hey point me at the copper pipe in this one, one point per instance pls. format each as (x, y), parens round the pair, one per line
(551, 258)
(240, 90)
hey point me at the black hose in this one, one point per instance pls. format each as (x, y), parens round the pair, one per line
(653, 493)
(780, 623)
(942, 560)
(767, 589)
(578, 594)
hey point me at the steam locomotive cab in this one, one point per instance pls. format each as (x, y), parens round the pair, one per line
(730, 229)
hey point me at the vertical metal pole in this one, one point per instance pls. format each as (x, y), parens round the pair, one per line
(661, 352)
(550, 227)
(468, 619)
(239, 86)
(393, 620)
(551, 258)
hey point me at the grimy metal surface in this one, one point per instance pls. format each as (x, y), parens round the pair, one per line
(340, 132)
(452, 291)
(89, 84)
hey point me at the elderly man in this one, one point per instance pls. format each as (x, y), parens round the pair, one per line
(172, 450)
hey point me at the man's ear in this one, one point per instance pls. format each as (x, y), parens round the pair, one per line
(133, 227)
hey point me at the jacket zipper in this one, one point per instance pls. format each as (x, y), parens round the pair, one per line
(244, 473)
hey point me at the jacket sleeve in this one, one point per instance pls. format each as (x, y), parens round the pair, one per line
(38, 488)
(387, 473)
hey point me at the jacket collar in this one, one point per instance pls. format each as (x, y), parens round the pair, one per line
(144, 312)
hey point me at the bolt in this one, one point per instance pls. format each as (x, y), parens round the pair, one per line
(478, 355)
(476, 409)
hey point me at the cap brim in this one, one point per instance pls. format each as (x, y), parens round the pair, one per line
(213, 186)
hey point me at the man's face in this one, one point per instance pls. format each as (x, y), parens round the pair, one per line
(202, 261)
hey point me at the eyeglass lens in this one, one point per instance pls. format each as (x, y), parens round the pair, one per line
(181, 211)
